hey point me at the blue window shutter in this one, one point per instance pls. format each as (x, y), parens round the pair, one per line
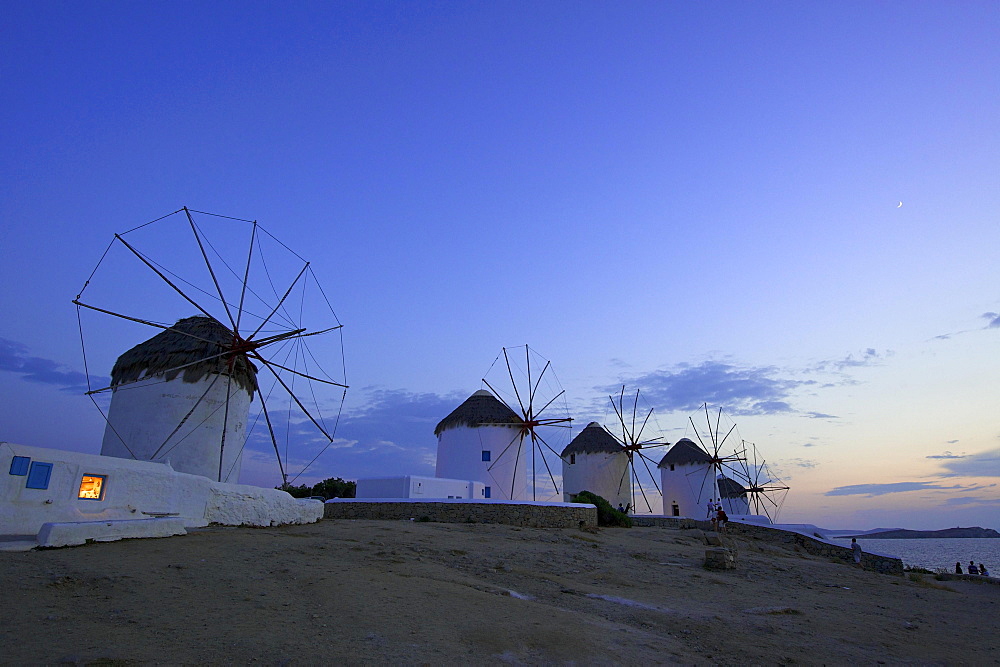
(486, 455)
(486, 492)
(38, 475)
(19, 465)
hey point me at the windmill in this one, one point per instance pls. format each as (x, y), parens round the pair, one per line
(527, 385)
(723, 453)
(636, 435)
(231, 304)
(765, 492)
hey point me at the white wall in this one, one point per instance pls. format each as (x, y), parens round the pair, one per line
(134, 490)
(601, 473)
(420, 487)
(735, 506)
(690, 487)
(144, 415)
(459, 456)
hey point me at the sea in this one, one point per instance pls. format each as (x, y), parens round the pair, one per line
(935, 553)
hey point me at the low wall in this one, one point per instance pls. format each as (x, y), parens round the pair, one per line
(811, 545)
(533, 515)
(979, 579)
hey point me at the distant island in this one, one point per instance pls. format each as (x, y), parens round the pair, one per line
(902, 533)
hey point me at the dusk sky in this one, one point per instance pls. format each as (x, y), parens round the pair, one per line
(786, 209)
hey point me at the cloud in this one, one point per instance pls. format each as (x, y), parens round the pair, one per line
(743, 391)
(820, 415)
(384, 432)
(992, 322)
(892, 487)
(983, 464)
(14, 358)
(946, 455)
(972, 501)
(867, 357)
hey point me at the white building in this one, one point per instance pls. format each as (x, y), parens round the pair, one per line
(594, 461)
(412, 486)
(482, 440)
(686, 480)
(170, 401)
(733, 497)
(52, 497)
(689, 482)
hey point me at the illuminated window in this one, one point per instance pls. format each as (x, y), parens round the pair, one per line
(92, 487)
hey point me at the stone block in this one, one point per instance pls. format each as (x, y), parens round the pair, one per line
(720, 559)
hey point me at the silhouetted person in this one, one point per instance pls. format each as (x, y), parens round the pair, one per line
(958, 568)
(972, 567)
(982, 571)
(856, 549)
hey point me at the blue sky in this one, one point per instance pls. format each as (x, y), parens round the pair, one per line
(696, 199)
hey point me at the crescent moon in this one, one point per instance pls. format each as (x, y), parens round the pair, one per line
(900, 205)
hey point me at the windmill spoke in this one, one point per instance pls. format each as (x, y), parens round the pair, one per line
(279, 304)
(513, 383)
(642, 427)
(635, 406)
(267, 364)
(542, 440)
(641, 491)
(541, 453)
(260, 358)
(274, 441)
(517, 435)
(163, 277)
(697, 435)
(215, 281)
(517, 457)
(644, 460)
(246, 280)
(185, 417)
(146, 322)
(727, 435)
(625, 472)
(552, 400)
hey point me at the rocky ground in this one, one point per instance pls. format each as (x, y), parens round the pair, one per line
(426, 593)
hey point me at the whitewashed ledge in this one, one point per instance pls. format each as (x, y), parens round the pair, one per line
(80, 532)
(463, 510)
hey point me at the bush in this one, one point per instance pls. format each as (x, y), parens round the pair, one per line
(606, 514)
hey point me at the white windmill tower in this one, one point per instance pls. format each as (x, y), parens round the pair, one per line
(595, 461)
(733, 496)
(682, 463)
(183, 395)
(179, 398)
(695, 475)
(471, 440)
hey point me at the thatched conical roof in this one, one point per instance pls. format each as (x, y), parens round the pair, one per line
(684, 452)
(592, 440)
(480, 409)
(730, 488)
(192, 340)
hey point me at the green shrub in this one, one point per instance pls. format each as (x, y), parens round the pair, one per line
(606, 514)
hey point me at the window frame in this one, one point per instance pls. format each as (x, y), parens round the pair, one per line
(104, 487)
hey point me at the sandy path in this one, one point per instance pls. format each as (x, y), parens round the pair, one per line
(414, 593)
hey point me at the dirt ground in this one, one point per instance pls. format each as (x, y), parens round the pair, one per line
(426, 593)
